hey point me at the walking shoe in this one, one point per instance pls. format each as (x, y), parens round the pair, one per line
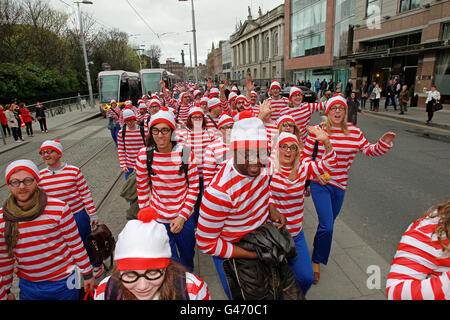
(98, 271)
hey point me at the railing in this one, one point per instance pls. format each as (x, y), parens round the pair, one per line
(60, 106)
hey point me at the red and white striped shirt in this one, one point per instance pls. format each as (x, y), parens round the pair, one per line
(115, 113)
(216, 153)
(277, 106)
(48, 248)
(133, 143)
(232, 206)
(272, 129)
(183, 112)
(210, 124)
(69, 185)
(198, 142)
(302, 115)
(420, 270)
(346, 148)
(171, 196)
(287, 196)
(196, 287)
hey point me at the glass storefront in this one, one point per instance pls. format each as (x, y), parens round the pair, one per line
(307, 27)
(344, 14)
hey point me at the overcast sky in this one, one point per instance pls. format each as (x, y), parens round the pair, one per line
(215, 20)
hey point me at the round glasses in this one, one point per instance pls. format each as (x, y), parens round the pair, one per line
(156, 131)
(335, 108)
(16, 182)
(292, 148)
(287, 125)
(133, 276)
(197, 117)
(46, 151)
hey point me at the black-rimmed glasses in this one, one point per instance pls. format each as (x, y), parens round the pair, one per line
(16, 182)
(133, 276)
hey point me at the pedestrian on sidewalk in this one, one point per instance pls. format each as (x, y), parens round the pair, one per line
(4, 122)
(287, 188)
(130, 139)
(167, 180)
(18, 116)
(144, 270)
(67, 183)
(390, 95)
(40, 238)
(353, 108)
(364, 94)
(328, 195)
(12, 122)
(40, 116)
(420, 269)
(375, 97)
(236, 202)
(27, 118)
(433, 97)
(403, 99)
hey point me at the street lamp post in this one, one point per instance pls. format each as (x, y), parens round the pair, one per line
(195, 40)
(83, 44)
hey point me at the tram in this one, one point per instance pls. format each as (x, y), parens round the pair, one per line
(150, 79)
(119, 85)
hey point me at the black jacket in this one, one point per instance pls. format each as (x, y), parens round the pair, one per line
(269, 277)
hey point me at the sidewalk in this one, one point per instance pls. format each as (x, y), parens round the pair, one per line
(441, 118)
(69, 118)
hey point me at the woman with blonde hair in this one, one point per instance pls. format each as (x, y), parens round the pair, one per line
(287, 185)
(420, 269)
(328, 195)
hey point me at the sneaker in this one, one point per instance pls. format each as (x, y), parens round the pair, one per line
(98, 271)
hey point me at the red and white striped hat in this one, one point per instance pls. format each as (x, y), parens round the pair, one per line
(142, 105)
(195, 110)
(54, 145)
(284, 118)
(295, 90)
(224, 120)
(232, 96)
(182, 95)
(196, 93)
(163, 116)
(23, 164)
(214, 92)
(253, 93)
(275, 84)
(204, 100)
(143, 244)
(336, 99)
(213, 103)
(155, 102)
(234, 89)
(248, 133)
(128, 114)
(287, 137)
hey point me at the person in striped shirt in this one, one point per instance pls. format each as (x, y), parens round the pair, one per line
(236, 202)
(218, 151)
(284, 124)
(265, 114)
(277, 102)
(144, 270)
(214, 106)
(328, 194)
(183, 107)
(114, 112)
(66, 183)
(130, 144)
(39, 236)
(420, 269)
(170, 184)
(301, 111)
(287, 190)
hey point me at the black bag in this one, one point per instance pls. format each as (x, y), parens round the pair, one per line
(437, 106)
(101, 243)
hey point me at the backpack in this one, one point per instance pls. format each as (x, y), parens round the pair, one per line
(124, 130)
(101, 244)
(185, 154)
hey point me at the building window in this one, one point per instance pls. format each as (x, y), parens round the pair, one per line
(275, 44)
(249, 45)
(406, 5)
(373, 7)
(445, 31)
(308, 28)
(257, 49)
(266, 47)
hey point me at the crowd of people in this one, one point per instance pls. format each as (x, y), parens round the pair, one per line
(14, 117)
(213, 169)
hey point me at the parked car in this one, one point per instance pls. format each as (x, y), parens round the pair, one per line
(308, 95)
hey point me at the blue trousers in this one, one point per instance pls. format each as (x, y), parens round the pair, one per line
(301, 264)
(183, 244)
(328, 201)
(127, 174)
(47, 290)
(223, 279)
(114, 132)
(84, 229)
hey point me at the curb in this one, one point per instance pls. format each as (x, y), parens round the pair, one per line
(436, 125)
(13, 146)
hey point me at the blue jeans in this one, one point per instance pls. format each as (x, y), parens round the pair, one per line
(183, 244)
(328, 201)
(114, 132)
(301, 264)
(48, 290)
(223, 279)
(127, 174)
(84, 229)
